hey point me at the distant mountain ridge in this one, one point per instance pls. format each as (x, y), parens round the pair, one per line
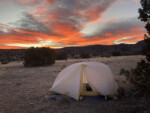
(92, 50)
(124, 49)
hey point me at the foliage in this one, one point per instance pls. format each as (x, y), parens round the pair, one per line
(116, 53)
(140, 76)
(144, 13)
(4, 62)
(11, 55)
(88, 87)
(106, 55)
(147, 41)
(61, 56)
(39, 57)
(84, 55)
(121, 92)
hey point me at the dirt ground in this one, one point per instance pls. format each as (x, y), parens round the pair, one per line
(25, 89)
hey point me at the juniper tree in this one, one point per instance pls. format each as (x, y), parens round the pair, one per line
(140, 76)
(144, 15)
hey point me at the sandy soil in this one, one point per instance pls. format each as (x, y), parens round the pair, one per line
(24, 89)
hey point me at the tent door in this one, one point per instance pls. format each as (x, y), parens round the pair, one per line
(83, 84)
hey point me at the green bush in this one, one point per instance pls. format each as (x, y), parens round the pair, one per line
(39, 57)
(140, 76)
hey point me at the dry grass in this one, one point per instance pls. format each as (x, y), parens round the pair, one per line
(23, 89)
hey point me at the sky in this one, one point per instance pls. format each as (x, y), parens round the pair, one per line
(63, 23)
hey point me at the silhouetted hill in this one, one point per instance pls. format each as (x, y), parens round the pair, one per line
(11, 54)
(93, 50)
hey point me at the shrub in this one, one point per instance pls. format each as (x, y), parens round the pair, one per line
(61, 56)
(84, 55)
(39, 57)
(4, 62)
(140, 76)
(116, 53)
(121, 92)
(107, 55)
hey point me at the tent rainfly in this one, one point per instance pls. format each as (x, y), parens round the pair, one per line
(73, 79)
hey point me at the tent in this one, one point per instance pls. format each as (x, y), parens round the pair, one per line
(73, 79)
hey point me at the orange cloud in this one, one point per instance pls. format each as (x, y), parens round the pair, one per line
(10, 47)
(39, 11)
(107, 34)
(58, 24)
(71, 37)
(50, 1)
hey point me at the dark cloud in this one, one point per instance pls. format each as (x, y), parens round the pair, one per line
(124, 25)
(28, 22)
(31, 23)
(77, 12)
(73, 13)
(7, 30)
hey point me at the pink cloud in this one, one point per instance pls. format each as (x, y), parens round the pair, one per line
(38, 11)
(29, 2)
(136, 1)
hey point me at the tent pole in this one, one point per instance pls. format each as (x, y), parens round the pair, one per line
(81, 80)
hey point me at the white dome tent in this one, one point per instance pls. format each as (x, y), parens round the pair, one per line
(71, 80)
